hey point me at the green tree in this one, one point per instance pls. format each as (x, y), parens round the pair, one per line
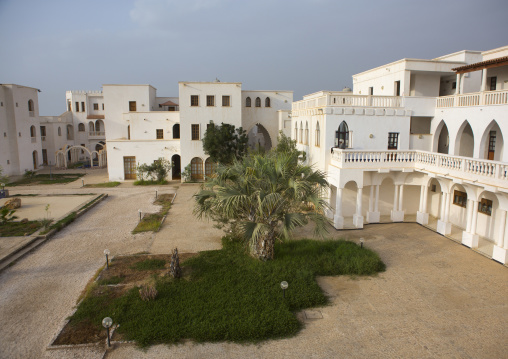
(225, 143)
(157, 171)
(286, 145)
(263, 199)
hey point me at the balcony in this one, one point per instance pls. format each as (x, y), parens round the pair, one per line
(487, 172)
(350, 100)
(97, 134)
(474, 99)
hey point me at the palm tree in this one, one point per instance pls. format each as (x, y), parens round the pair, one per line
(263, 198)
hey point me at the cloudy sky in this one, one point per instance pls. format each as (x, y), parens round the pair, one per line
(299, 45)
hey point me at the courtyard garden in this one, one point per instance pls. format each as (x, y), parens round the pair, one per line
(153, 221)
(223, 295)
(30, 179)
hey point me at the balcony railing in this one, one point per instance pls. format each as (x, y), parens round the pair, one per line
(348, 101)
(97, 133)
(474, 99)
(466, 168)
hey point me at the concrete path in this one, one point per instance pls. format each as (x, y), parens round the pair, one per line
(437, 299)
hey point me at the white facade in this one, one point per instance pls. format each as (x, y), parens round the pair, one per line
(417, 138)
(20, 144)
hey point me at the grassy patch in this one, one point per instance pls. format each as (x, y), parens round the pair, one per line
(149, 264)
(46, 179)
(15, 229)
(61, 223)
(149, 183)
(152, 221)
(102, 185)
(226, 295)
(110, 281)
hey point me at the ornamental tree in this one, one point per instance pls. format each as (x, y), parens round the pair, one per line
(224, 143)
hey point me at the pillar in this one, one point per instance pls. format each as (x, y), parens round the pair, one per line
(502, 227)
(371, 199)
(373, 214)
(358, 218)
(457, 89)
(443, 226)
(395, 197)
(338, 219)
(422, 216)
(484, 80)
(401, 196)
(500, 252)
(376, 203)
(469, 217)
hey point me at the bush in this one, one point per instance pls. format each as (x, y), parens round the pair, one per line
(157, 171)
(147, 292)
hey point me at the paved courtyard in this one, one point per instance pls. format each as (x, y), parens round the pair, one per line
(437, 299)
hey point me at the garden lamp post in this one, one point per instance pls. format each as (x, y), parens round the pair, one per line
(156, 193)
(82, 183)
(361, 242)
(284, 286)
(106, 323)
(139, 214)
(106, 253)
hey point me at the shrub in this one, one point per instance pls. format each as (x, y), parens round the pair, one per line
(147, 292)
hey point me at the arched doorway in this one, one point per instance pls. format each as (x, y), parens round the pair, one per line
(34, 159)
(210, 167)
(492, 143)
(441, 138)
(342, 136)
(259, 137)
(464, 141)
(177, 167)
(176, 131)
(197, 169)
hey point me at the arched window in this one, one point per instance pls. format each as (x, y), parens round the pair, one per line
(267, 102)
(81, 127)
(258, 102)
(301, 132)
(98, 125)
(91, 126)
(248, 102)
(30, 105)
(318, 135)
(59, 131)
(306, 133)
(342, 136)
(197, 168)
(296, 132)
(176, 131)
(210, 167)
(32, 132)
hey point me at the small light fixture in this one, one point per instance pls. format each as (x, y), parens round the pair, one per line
(156, 190)
(106, 323)
(140, 212)
(284, 286)
(82, 183)
(106, 253)
(361, 242)
(371, 136)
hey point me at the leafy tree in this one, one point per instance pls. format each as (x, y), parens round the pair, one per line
(157, 171)
(262, 199)
(286, 145)
(225, 143)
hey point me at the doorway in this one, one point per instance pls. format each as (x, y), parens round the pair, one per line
(492, 145)
(129, 166)
(177, 169)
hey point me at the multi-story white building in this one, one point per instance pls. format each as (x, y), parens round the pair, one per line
(417, 138)
(20, 141)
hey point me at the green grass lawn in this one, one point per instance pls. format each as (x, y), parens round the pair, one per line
(152, 221)
(15, 229)
(230, 296)
(46, 179)
(150, 183)
(103, 185)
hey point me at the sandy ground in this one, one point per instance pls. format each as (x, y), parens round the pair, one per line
(437, 298)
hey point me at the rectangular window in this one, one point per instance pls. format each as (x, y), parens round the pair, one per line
(397, 88)
(371, 91)
(493, 82)
(103, 106)
(195, 132)
(96, 106)
(44, 157)
(393, 140)
(226, 102)
(77, 106)
(460, 198)
(82, 107)
(485, 206)
(132, 106)
(43, 131)
(194, 100)
(210, 100)
(160, 134)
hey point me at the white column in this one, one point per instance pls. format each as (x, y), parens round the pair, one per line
(425, 196)
(338, 203)
(484, 80)
(457, 89)
(420, 207)
(447, 207)
(469, 218)
(395, 197)
(371, 199)
(359, 202)
(401, 196)
(475, 216)
(376, 203)
(502, 228)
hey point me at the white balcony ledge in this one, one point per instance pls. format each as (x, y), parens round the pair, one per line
(474, 99)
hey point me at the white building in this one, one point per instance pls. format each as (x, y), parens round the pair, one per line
(20, 144)
(417, 138)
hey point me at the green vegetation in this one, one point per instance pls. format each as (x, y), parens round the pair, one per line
(61, 223)
(263, 199)
(149, 264)
(155, 173)
(111, 281)
(7, 215)
(153, 221)
(102, 185)
(225, 143)
(15, 229)
(226, 295)
(149, 183)
(45, 179)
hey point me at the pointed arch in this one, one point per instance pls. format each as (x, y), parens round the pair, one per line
(248, 102)
(33, 132)
(441, 138)
(464, 140)
(306, 133)
(258, 102)
(31, 106)
(258, 136)
(301, 132)
(492, 142)
(318, 135)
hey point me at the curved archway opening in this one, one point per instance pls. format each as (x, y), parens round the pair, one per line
(210, 167)
(197, 169)
(492, 143)
(176, 171)
(259, 138)
(441, 138)
(342, 136)
(464, 142)
(35, 159)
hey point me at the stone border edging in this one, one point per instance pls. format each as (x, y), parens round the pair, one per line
(164, 218)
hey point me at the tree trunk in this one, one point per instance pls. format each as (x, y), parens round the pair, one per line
(264, 248)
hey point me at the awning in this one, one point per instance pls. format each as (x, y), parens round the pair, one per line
(500, 61)
(95, 117)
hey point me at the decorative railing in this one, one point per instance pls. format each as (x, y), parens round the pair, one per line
(484, 171)
(474, 99)
(97, 133)
(348, 101)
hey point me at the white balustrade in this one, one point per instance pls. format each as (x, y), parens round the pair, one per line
(474, 99)
(348, 101)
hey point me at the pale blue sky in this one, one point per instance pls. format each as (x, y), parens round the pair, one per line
(299, 45)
